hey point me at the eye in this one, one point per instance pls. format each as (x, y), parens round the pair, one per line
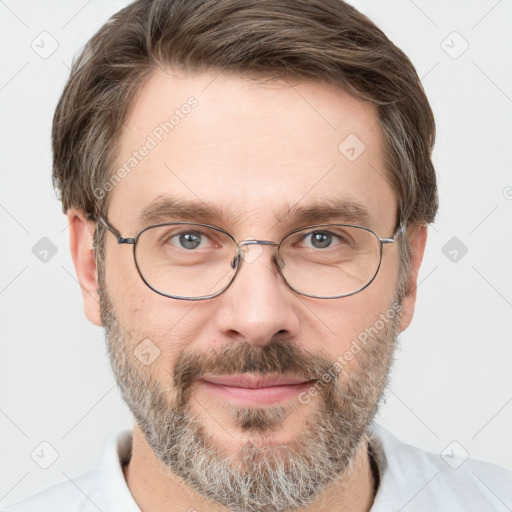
(188, 240)
(321, 239)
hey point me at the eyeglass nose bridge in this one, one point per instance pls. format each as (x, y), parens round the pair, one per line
(256, 242)
(240, 254)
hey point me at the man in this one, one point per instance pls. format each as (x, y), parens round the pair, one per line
(248, 186)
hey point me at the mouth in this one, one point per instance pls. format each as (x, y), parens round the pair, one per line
(250, 390)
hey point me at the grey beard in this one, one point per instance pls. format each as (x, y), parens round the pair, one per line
(255, 478)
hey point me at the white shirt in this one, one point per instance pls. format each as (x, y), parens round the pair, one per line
(410, 480)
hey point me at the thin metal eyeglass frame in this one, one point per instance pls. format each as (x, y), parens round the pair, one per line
(238, 259)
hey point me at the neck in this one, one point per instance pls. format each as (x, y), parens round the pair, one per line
(154, 487)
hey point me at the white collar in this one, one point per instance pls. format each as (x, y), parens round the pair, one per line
(115, 488)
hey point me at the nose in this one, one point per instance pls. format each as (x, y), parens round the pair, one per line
(258, 305)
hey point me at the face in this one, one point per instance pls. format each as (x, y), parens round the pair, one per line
(261, 160)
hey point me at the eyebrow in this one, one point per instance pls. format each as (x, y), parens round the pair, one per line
(345, 210)
(165, 209)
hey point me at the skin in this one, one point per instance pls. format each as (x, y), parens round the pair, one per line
(251, 150)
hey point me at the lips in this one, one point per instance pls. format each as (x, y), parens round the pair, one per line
(253, 382)
(250, 390)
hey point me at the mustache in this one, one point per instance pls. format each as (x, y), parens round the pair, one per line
(278, 356)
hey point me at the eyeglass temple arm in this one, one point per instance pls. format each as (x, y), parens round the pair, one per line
(400, 230)
(115, 232)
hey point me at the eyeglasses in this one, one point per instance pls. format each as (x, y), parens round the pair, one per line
(190, 261)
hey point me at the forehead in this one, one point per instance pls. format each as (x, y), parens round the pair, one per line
(251, 151)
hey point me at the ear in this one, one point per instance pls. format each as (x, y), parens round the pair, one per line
(81, 232)
(417, 235)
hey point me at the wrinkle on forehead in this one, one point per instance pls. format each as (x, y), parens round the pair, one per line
(255, 151)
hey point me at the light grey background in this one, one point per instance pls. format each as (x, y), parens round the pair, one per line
(452, 377)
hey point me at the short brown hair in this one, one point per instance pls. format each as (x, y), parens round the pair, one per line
(325, 41)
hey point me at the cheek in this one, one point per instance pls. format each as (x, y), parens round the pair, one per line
(339, 322)
(164, 326)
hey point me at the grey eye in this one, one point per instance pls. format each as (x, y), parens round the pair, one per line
(190, 240)
(321, 239)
